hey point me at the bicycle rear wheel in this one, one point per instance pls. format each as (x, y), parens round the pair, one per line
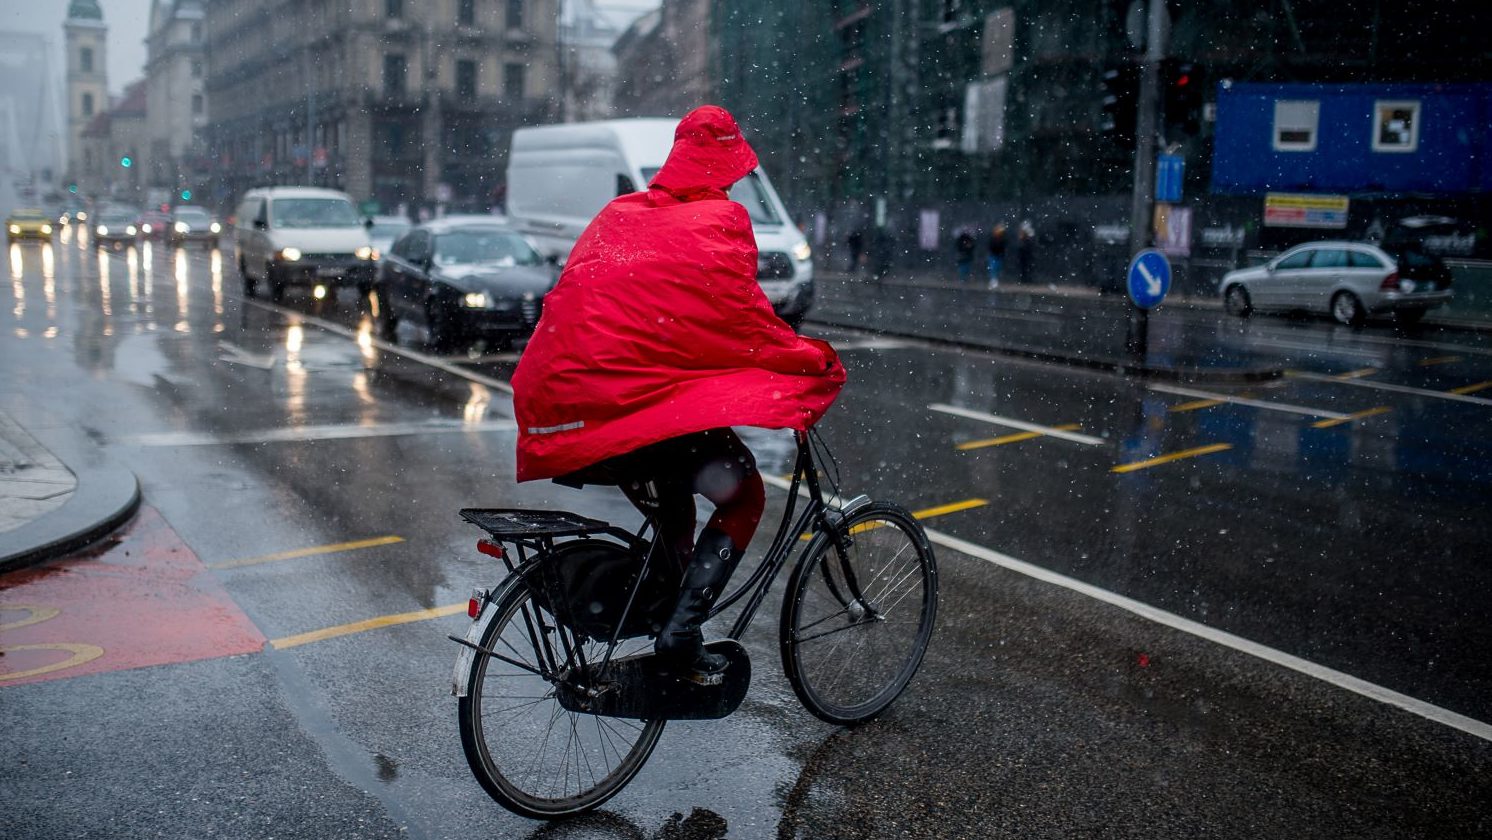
(532, 755)
(856, 625)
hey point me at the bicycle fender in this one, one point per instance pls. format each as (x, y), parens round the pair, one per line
(466, 660)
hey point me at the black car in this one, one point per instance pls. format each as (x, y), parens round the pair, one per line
(463, 280)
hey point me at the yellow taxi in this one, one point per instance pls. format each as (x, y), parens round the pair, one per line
(29, 223)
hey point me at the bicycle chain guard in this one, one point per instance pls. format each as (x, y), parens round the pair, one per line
(642, 688)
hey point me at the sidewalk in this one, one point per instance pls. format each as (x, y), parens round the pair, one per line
(47, 508)
(1051, 323)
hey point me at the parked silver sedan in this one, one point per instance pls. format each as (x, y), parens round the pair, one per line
(1348, 280)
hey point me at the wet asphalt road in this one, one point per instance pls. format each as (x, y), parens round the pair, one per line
(1044, 709)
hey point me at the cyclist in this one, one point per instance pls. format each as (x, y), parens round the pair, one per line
(656, 340)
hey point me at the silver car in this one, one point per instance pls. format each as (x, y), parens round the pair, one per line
(1348, 280)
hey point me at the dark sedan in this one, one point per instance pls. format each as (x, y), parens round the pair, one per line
(464, 281)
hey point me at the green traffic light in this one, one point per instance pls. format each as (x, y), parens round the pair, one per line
(126, 162)
(72, 188)
(186, 195)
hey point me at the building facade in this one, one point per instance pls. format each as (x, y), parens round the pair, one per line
(402, 103)
(175, 71)
(667, 60)
(84, 34)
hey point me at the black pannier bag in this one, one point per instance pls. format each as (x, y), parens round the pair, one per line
(585, 583)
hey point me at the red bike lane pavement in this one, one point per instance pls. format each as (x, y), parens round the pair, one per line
(142, 599)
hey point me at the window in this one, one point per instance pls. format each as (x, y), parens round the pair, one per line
(1295, 125)
(466, 12)
(196, 103)
(393, 8)
(1329, 258)
(196, 68)
(513, 81)
(85, 59)
(1395, 126)
(196, 32)
(394, 68)
(87, 104)
(515, 14)
(466, 79)
(1360, 259)
(1299, 259)
(624, 185)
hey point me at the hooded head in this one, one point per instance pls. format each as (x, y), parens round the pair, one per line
(708, 152)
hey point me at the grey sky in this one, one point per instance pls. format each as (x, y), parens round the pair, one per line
(126, 19)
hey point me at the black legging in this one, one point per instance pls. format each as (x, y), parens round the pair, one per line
(715, 464)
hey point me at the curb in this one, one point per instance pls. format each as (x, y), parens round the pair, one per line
(1107, 364)
(105, 498)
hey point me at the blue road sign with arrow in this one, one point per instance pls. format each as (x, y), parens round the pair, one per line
(1149, 278)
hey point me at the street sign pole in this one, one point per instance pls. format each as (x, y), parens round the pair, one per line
(1146, 127)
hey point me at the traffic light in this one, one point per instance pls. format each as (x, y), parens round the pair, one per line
(186, 195)
(72, 188)
(1121, 96)
(1181, 89)
(126, 161)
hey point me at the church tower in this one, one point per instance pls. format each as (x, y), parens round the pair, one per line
(87, 79)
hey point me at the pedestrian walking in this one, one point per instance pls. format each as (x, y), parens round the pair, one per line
(995, 262)
(856, 241)
(1025, 243)
(963, 247)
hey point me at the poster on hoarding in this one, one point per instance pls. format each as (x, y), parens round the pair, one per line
(1173, 230)
(1303, 210)
(927, 230)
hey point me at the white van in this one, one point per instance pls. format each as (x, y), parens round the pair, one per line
(306, 235)
(560, 176)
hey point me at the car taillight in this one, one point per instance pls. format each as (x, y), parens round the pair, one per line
(1390, 283)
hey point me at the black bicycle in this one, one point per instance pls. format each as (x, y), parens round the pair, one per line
(560, 698)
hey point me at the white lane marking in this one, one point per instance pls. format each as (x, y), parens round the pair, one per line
(1369, 690)
(1264, 404)
(237, 355)
(1320, 350)
(1387, 386)
(1372, 691)
(432, 361)
(300, 434)
(1016, 424)
(872, 344)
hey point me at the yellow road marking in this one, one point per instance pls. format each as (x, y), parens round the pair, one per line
(1174, 456)
(1194, 405)
(1471, 389)
(306, 552)
(368, 624)
(80, 654)
(1438, 360)
(1015, 438)
(1356, 374)
(925, 513)
(1337, 421)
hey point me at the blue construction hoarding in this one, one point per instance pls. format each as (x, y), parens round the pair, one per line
(1427, 139)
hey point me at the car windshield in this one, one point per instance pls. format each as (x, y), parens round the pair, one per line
(387, 230)
(28, 215)
(313, 213)
(193, 214)
(474, 246)
(750, 192)
(116, 218)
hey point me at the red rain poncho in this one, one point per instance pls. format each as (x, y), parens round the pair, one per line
(658, 326)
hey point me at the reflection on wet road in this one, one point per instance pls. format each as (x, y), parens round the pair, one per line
(1336, 516)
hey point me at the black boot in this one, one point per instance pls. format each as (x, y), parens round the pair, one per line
(681, 642)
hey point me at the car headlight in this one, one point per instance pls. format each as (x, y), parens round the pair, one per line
(215, 227)
(181, 227)
(366, 253)
(15, 228)
(801, 251)
(475, 300)
(46, 228)
(130, 231)
(145, 228)
(289, 254)
(101, 230)
(82, 216)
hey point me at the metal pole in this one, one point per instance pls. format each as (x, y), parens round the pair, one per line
(1141, 223)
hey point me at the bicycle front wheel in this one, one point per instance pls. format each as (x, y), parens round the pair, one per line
(856, 622)
(532, 755)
